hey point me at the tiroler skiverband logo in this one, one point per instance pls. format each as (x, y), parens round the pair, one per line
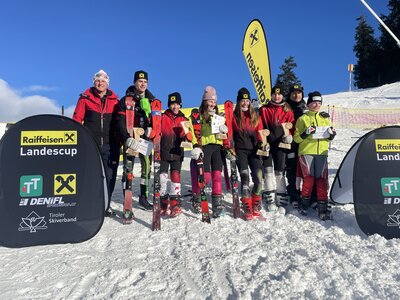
(64, 184)
(49, 138)
(32, 223)
(391, 190)
(31, 185)
(387, 149)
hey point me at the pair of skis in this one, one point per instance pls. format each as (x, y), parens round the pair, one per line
(127, 177)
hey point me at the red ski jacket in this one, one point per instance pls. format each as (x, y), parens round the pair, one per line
(172, 134)
(246, 137)
(99, 115)
(272, 116)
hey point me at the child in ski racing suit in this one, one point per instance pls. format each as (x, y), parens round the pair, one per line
(298, 106)
(211, 150)
(142, 118)
(313, 154)
(246, 125)
(273, 115)
(172, 134)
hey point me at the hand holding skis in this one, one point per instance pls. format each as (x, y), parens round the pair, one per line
(230, 154)
(196, 153)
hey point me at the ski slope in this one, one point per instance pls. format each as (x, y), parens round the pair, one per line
(284, 257)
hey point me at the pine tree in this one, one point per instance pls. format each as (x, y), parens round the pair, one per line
(390, 51)
(287, 77)
(366, 50)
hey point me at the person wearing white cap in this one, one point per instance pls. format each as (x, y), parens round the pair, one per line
(97, 110)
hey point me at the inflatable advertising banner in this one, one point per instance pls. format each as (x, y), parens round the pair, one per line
(255, 51)
(52, 183)
(370, 173)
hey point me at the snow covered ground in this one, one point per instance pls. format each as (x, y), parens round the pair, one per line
(284, 257)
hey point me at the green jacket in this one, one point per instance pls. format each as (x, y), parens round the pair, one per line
(206, 136)
(309, 145)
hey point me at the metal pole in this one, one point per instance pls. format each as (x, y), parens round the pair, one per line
(380, 21)
(350, 82)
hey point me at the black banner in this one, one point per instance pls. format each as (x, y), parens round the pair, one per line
(376, 182)
(52, 185)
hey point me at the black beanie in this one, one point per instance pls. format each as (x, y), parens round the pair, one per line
(174, 98)
(314, 96)
(243, 93)
(296, 87)
(140, 75)
(277, 89)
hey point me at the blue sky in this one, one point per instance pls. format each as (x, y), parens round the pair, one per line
(51, 49)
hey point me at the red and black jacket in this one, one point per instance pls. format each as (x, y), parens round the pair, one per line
(246, 137)
(172, 134)
(140, 119)
(272, 116)
(99, 115)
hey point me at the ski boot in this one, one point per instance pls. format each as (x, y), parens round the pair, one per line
(282, 200)
(196, 204)
(175, 206)
(217, 207)
(144, 203)
(324, 212)
(256, 203)
(305, 204)
(164, 205)
(110, 212)
(268, 198)
(295, 199)
(247, 208)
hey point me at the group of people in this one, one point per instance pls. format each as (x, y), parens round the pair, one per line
(285, 140)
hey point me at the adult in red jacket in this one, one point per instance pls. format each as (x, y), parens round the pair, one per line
(172, 135)
(273, 115)
(97, 110)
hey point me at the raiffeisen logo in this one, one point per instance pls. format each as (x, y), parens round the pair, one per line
(258, 79)
(50, 138)
(387, 146)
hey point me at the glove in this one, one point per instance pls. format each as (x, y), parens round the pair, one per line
(223, 128)
(196, 153)
(230, 154)
(307, 132)
(132, 144)
(287, 139)
(332, 133)
(324, 114)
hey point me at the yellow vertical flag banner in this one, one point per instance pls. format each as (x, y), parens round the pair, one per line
(255, 52)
